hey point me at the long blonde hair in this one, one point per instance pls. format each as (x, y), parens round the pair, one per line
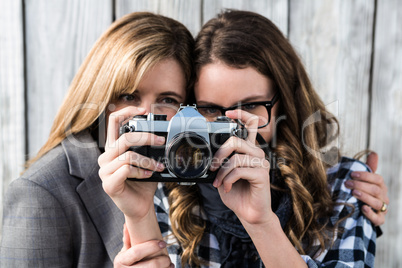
(115, 65)
(244, 39)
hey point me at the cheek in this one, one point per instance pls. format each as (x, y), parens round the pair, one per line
(267, 132)
(169, 115)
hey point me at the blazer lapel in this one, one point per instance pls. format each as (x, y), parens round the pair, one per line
(82, 153)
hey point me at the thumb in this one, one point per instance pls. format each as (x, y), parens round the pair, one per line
(372, 161)
(126, 239)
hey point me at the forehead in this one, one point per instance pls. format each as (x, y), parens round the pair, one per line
(166, 75)
(220, 84)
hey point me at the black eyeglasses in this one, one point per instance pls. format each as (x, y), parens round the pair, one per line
(262, 109)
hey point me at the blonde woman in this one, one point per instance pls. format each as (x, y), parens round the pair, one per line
(57, 214)
(278, 201)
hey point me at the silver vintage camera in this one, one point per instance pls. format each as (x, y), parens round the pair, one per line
(191, 142)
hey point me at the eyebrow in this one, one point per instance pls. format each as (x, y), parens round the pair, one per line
(171, 93)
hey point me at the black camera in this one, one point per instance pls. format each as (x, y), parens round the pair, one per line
(191, 142)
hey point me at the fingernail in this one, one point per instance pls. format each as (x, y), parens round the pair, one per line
(365, 209)
(355, 174)
(356, 193)
(213, 167)
(349, 184)
(160, 139)
(140, 109)
(231, 112)
(148, 172)
(171, 265)
(162, 244)
(160, 166)
(215, 184)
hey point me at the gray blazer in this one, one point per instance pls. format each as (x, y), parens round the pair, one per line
(57, 214)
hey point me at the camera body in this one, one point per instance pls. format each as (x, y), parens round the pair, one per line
(191, 142)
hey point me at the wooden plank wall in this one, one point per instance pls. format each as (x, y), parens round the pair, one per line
(352, 51)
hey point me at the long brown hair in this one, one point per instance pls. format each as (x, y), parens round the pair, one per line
(243, 39)
(115, 65)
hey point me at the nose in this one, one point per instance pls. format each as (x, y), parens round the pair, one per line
(147, 106)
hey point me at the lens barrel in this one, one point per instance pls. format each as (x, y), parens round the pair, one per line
(188, 155)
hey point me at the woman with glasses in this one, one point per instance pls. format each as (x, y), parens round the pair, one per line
(297, 213)
(291, 211)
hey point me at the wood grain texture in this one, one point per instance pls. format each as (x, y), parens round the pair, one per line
(334, 39)
(386, 124)
(59, 34)
(187, 12)
(12, 109)
(275, 10)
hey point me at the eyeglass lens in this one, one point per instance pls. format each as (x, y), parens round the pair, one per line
(212, 113)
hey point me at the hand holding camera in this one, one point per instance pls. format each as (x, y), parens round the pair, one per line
(118, 163)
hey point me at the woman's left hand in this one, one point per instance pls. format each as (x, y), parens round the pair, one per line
(243, 180)
(370, 188)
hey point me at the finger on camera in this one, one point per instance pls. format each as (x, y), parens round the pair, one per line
(127, 140)
(143, 251)
(376, 218)
(241, 160)
(114, 184)
(234, 144)
(134, 159)
(250, 122)
(116, 119)
(252, 175)
(240, 173)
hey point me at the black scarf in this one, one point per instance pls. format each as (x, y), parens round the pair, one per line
(236, 247)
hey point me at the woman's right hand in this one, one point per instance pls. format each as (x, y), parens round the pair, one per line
(117, 163)
(147, 254)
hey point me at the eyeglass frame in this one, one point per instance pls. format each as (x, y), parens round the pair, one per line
(267, 104)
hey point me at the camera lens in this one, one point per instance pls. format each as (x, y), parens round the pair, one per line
(188, 155)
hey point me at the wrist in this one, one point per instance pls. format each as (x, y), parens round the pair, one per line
(142, 229)
(144, 214)
(271, 224)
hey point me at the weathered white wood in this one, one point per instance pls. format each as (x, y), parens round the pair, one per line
(334, 38)
(59, 34)
(386, 124)
(275, 10)
(187, 12)
(12, 110)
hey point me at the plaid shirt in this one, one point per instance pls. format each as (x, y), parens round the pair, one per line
(353, 247)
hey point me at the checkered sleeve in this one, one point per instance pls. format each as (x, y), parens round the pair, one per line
(162, 214)
(354, 242)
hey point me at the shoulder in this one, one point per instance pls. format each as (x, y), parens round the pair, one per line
(40, 180)
(55, 161)
(49, 178)
(48, 171)
(67, 164)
